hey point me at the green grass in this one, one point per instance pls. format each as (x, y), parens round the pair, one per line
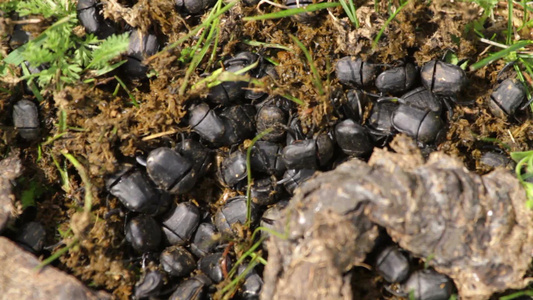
(316, 76)
(518, 294)
(524, 171)
(350, 10)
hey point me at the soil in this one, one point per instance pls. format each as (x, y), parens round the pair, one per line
(106, 130)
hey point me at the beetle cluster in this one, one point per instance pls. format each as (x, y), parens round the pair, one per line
(401, 106)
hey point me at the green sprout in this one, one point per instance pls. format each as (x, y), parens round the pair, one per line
(350, 10)
(524, 171)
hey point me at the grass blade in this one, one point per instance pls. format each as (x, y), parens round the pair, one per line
(380, 33)
(500, 54)
(316, 76)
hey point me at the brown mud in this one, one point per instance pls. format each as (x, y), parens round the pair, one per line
(103, 130)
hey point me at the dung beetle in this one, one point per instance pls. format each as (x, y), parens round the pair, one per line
(200, 156)
(239, 124)
(443, 79)
(310, 153)
(392, 264)
(294, 132)
(232, 169)
(379, 123)
(231, 91)
(495, 159)
(422, 98)
(252, 285)
(234, 211)
(180, 223)
(398, 79)
(423, 125)
(266, 158)
(31, 236)
(270, 216)
(428, 285)
(272, 116)
(265, 191)
(215, 266)
(149, 285)
(170, 171)
(143, 233)
(206, 123)
(205, 240)
(90, 17)
(294, 177)
(26, 119)
(308, 18)
(177, 261)
(507, 98)
(19, 37)
(141, 46)
(350, 105)
(193, 288)
(353, 138)
(136, 192)
(194, 7)
(354, 72)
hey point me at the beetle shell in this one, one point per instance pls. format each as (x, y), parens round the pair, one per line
(232, 170)
(442, 78)
(265, 191)
(90, 17)
(507, 98)
(239, 123)
(397, 80)
(200, 156)
(252, 285)
(294, 177)
(423, 125)
(167, 168)
(392, 264)
(355, 72)
(270, 116)
(234, 211)
(429, 285)
(380, 122)
(177, 261)
(180, 223)
(26, 119)
(422, 98)
(194, 7)
(212, 266)
(193, 288)
(135, 192)
(141, 45)
(143, 233)
(206, 123)
(32, 236)
(352, 138)
(266, 158)
(149, 285)
(205, 240)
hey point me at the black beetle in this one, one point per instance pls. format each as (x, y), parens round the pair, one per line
(232, 169)
(495, 159)
(141, 45)
(177, 261)
(194, 7)
(272, 116)
(206, 123)
(149, 285)
(136, 192)
(265, 191)
(379, 123)
(200, 156)
(355, 72)
(193, 288)
(170, 171)
(353, 138)
(392, 264)
(507, 98)
(428, 285)
(231, 91)
(308, 18)
(350, 105)
(422, 98)
(26, 119)
(252, 285)
(31, 236)
(90, 17)
(423, 125)
(443, 79)
(215, 266)
(143, 233)
(19, 37)
(234, 211)
(294, 177)
(205, 240)
(239, 124)
(397, 80)
(180, 223)
(266, 158)
(310, 153)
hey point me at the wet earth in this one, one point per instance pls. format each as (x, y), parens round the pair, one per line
(146, 188)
